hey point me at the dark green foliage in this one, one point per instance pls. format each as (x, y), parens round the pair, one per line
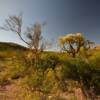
(86, 73)
(95, 68)
(49, 61)
(70, 70)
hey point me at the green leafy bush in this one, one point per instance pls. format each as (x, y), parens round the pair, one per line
(86, 73)
(49, 61)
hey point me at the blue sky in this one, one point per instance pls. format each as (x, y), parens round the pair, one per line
(63, 16)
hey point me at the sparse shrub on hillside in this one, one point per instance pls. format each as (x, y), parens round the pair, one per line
(46, 82)
(49, 61)
(50, 83)
(16, 72)
(35, 80)
(69, 69)
(86, 73)
(94, 61)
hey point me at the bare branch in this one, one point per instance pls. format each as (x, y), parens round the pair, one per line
(14, 24)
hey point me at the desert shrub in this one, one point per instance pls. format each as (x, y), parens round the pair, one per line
(16, 71)
(79, 70)
(49, 61)
(95, 81)
(35, 80)
(86, 73)
(46, 82)
(94, 60)
(50, 83)
(58, 72)
(69, 69)
(95, 67)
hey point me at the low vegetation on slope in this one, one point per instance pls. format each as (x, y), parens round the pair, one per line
(56, 77)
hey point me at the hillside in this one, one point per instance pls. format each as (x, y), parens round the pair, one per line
(9, 45)
(57, 76)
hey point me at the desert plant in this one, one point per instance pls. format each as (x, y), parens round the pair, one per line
(49, 61)
(35, 80)
(71, 43)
